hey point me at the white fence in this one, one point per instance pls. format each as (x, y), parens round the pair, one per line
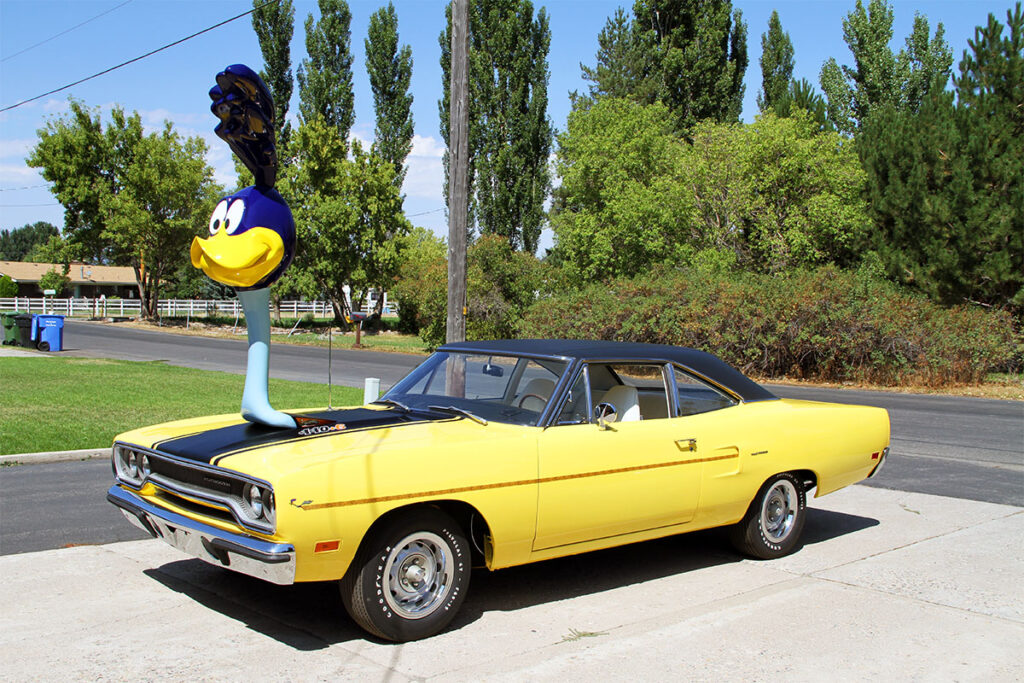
(122, 308)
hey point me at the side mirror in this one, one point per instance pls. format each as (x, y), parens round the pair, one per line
(492, 370)
(605, 414)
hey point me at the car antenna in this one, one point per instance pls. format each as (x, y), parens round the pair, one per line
(329, 330)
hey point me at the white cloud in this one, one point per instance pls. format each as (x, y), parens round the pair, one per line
(427, 147)
(16, 148)
(18, 173)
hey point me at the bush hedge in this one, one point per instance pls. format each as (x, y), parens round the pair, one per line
(825, 325)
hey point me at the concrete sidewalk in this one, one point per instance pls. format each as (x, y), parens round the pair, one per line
(890, 585)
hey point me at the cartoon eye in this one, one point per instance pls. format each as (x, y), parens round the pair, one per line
(234, 218)
(217, 217)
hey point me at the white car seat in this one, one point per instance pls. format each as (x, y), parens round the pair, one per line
(538, 386)
(626, 402)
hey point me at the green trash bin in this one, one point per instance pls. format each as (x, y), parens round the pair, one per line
(10, 328)
(23, 326)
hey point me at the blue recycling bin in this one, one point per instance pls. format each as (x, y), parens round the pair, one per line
(48, 332)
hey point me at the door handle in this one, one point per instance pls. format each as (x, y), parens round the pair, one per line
(687, 444)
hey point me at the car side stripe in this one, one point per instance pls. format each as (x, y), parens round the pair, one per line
(509, 484)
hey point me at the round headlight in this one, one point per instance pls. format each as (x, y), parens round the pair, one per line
(268, 506)
(146, 468)
(133, 465)
(255, 500)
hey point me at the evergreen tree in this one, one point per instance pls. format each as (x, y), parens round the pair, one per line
(776, 65)
(509, 132)
(689, 54)
(390, 70)
(274, 24)
(16, 244)
(881, 77)
(990, 92)
(325, 77)
(946, 183)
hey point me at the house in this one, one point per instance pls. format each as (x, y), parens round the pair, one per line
(86, 280)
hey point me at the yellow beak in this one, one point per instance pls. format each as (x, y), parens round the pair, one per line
(238, 260)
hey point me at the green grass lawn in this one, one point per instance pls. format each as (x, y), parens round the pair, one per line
(57, 404)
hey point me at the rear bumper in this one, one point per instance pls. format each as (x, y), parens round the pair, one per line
(881, 461)
(273, 562)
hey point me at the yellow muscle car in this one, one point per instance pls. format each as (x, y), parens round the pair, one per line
(493, 453)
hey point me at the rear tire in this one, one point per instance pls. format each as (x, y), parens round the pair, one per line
(410, 577)
(773, 523)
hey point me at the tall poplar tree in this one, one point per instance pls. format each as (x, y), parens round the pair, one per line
(274, 24)
(325, 76)
(390, 70)
(510, 135)
(689, 54)
(776, 65)
(880, 77)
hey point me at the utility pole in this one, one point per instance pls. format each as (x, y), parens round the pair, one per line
(458, 160)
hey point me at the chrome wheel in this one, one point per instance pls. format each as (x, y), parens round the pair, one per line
(779, 509)
(419, 571)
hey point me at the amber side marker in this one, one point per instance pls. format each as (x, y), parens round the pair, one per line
(326, 546)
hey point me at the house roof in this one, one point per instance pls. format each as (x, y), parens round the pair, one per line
(700, 362)
(80, 273)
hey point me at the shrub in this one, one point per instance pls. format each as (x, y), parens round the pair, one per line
(826, 325)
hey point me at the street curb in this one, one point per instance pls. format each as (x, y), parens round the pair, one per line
(54, 456)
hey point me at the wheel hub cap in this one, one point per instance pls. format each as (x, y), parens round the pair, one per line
(419, 571)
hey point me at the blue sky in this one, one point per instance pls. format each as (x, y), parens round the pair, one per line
(172, 85)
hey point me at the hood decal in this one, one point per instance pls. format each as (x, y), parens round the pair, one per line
(214, 445)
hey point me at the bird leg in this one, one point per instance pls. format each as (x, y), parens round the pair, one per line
(255, 398)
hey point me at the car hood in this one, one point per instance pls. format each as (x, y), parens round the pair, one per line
(213, 440)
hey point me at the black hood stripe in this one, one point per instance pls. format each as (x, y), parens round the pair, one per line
(214, 445)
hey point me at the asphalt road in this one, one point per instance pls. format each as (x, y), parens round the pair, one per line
(952, 446)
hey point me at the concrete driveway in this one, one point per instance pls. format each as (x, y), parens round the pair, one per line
(893, 585)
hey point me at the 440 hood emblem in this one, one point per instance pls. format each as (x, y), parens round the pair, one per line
(321, 429)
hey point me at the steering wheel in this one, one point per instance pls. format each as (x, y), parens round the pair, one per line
(526, 396)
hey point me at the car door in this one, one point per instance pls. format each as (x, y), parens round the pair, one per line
(634, 475)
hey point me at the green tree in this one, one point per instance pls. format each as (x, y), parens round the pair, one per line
(274, 24)
(990, 93)
(622, 204)
(509, 132)
(325, 76)
(390, 70)
(8, 287)
(18, 243)
(133, 199)
(84, 162)
(946, 183)
(881, 77)
(165, 201)
(689, 54)
(776, 65)
(57, 280)
(348, 213)
(422, 254)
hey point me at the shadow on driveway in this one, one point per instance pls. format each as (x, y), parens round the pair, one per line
(310, 616)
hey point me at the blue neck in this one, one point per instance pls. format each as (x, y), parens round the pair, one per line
(255, 398)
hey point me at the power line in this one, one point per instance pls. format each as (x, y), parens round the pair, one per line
(139, 58)
(64, 32)
(413, 215)
(25, 206)
(23, 187)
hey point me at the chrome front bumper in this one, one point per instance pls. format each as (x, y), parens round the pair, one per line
(273, 562)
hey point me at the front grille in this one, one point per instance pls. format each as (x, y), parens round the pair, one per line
(197, 487)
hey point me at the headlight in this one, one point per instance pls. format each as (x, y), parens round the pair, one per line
(146, 468)
(254, 497)
(129, 465)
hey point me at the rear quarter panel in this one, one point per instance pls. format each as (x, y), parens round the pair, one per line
(840, 444)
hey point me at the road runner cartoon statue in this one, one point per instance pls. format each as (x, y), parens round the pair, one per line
(252, 232)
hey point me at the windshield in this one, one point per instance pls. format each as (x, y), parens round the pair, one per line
(492, 388)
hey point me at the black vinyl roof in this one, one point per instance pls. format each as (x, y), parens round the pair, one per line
(700, 362)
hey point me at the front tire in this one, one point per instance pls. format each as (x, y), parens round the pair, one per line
(410, 577)
(773, 523)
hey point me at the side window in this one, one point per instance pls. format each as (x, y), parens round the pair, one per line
(695, 396)
(638, 391)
